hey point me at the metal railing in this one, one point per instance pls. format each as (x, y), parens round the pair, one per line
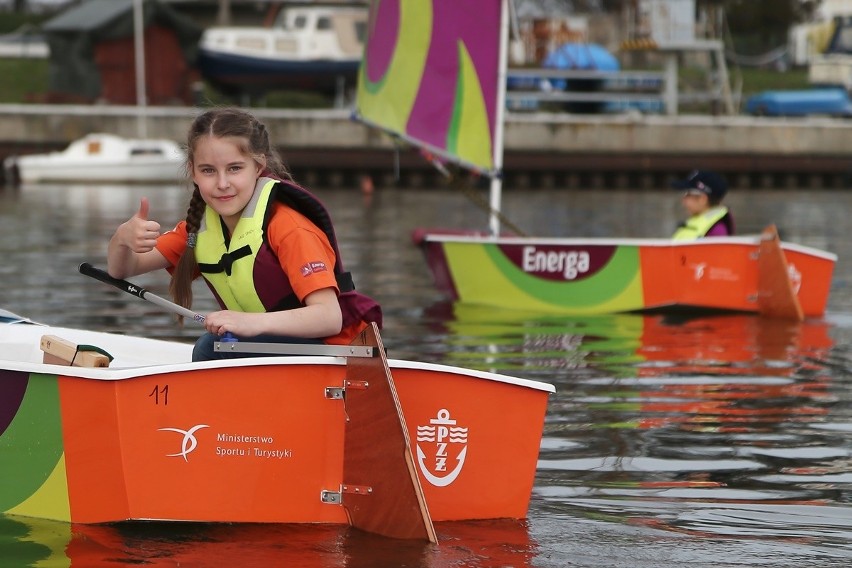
(616, 91)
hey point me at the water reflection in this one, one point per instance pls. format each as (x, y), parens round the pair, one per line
(627, 344)
(714, 426)
(35, 542)
(710, 441)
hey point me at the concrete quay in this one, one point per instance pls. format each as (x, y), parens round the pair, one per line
(541, 149)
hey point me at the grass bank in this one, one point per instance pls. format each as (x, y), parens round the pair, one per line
(22, 78)
(28, 80)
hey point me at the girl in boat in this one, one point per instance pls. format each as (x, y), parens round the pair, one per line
(703, 192)
(264, 245)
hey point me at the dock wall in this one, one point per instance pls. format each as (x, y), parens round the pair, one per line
(541, 149)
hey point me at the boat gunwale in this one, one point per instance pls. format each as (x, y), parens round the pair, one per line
(752, 240)
(124, 373)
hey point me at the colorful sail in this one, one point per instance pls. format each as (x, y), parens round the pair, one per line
(430, 75)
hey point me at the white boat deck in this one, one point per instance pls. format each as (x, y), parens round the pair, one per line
(20, 343)
(139, 356)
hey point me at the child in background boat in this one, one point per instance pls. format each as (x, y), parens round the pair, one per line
(703, 192)
(264, 245)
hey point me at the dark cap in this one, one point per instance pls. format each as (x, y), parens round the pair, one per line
(710, 183)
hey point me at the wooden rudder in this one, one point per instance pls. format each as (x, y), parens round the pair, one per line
(381, 491)
(775, 294)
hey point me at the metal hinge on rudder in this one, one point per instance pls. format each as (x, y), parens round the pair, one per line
(336, 497)
(339, 393)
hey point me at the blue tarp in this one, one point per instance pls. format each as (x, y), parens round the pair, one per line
(831, 102)
(581, 56)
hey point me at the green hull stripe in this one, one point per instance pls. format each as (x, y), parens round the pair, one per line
(483, 274)
(32, 444)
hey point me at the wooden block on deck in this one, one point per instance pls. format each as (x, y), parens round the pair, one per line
(58, 351)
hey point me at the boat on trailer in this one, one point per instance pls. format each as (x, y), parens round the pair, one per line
(307, 47)
(98, 427)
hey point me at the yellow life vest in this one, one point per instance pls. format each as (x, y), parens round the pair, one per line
(245, 274)
(229, 269)
(697, 226)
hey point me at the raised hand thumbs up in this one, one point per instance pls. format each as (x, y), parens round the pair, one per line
(140, 233)
(143, 209)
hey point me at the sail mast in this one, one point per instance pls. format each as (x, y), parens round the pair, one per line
(496, 188)
(139, 58)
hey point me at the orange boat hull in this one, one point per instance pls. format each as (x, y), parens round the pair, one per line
(602, 276)
(254, 442)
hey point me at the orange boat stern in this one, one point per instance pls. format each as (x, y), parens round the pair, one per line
(205, 446)
(710, 274)
(475, 442)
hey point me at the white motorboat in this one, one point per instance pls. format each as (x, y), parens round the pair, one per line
(102, 157)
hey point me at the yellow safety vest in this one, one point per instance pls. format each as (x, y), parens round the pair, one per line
(229, 270)
(697, 226)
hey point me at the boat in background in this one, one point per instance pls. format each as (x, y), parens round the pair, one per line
(434, 76)
(308, 47)
(103, 158)
(600, 276)
(300, 439)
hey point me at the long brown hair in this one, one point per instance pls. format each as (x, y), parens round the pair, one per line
(252, 139)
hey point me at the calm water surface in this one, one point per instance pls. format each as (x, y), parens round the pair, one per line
(717, 441)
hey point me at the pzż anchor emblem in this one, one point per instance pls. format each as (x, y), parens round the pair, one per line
(447, 445)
